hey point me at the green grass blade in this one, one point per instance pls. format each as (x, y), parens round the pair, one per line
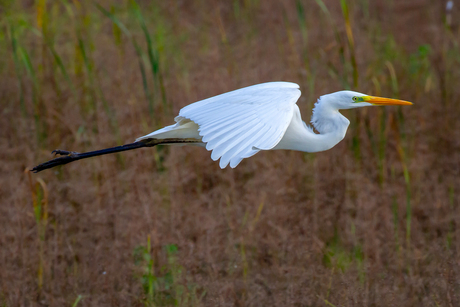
(139, 53)
(61, 66)
(77, 300)
(114, 19)
(152, 52)
(14, 47)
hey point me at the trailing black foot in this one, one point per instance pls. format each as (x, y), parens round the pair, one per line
(60, 152)
(55, 162)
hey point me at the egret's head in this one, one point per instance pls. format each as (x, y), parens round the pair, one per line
(351, 100)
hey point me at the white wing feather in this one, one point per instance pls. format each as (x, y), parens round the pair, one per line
(238, 124)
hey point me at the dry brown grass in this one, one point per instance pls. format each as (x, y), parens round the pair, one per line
(282, 229)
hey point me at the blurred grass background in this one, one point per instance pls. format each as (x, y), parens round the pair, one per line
(372, 222)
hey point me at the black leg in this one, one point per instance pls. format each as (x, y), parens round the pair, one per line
(70, 156)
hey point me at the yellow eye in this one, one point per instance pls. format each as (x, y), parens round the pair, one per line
(355, 99)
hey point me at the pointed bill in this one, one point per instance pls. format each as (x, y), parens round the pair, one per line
(380, 101)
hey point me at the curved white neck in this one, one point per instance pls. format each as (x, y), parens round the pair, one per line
(327, 120)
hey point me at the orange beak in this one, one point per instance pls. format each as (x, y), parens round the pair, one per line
(380, 101)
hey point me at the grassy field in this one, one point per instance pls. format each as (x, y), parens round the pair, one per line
(372, 222)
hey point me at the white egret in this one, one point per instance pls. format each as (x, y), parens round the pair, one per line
(239, 124)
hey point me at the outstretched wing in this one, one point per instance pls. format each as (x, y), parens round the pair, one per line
(238, 124)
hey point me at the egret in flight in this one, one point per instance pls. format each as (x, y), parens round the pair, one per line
(238, 124)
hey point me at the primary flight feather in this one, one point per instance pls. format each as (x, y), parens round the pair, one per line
(238, 124)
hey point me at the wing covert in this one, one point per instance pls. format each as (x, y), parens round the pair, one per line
(238, 124)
